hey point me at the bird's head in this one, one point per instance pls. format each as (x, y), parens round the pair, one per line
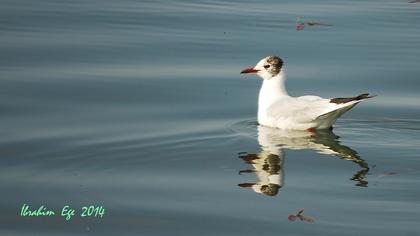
(267, 68)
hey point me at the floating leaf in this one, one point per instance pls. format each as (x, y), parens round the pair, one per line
(300, 26)
(307, 218)
(301, 217)
(312, 23)
(387, 173)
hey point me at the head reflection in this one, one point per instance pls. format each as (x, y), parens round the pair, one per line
(268, 164)
(268, 168)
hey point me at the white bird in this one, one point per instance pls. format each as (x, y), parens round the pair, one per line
(277, 109)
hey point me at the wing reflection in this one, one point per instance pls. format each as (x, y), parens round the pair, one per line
(268, 164)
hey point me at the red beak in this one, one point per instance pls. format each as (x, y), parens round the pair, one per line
(249, 70)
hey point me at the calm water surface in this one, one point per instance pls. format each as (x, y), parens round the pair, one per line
(139, 107)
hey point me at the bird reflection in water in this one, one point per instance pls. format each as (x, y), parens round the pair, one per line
(269, 169)
(268, 164)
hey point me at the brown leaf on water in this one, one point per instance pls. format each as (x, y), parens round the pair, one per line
(301, 217)
(313, 23)
(300, 26)
(307, 218)
(387, 173)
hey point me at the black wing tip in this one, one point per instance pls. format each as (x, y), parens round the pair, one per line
(350, 99)
(370, 96)
(365, 96)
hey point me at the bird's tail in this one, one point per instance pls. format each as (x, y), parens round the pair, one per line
(351, 99)
(327, 119)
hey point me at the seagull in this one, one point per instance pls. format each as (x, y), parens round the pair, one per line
(279, 110)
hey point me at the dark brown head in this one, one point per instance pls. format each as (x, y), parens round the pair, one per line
(270, 189)
(267, 68)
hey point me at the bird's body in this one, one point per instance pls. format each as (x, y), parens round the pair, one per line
(277, 109)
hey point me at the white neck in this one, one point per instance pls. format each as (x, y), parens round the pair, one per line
(271, 90)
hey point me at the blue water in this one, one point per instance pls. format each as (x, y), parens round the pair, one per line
(139, 107)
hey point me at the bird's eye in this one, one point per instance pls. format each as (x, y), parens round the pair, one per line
(267, 66)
